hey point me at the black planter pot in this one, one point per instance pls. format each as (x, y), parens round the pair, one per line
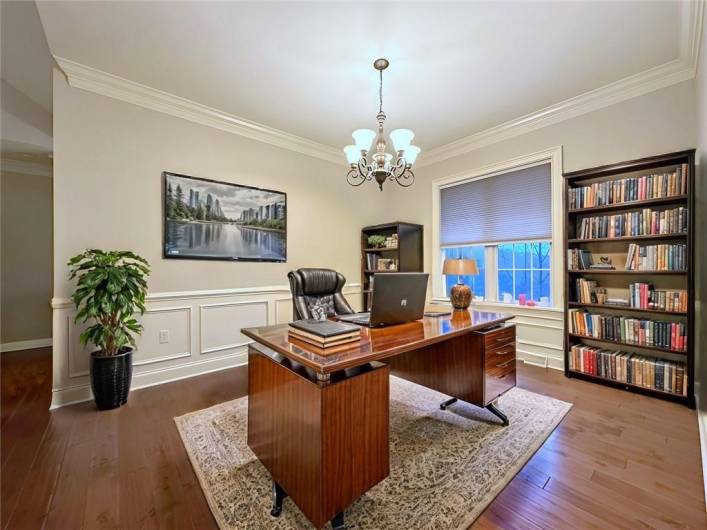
(110, 378)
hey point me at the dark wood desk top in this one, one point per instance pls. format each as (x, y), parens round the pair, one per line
(377, 343)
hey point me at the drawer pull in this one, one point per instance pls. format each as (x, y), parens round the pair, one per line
(503, 339)
(503, 365)
(507, 352)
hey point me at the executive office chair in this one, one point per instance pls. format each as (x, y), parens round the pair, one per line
(316, 293)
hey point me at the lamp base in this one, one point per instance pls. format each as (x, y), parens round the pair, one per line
(460, 296)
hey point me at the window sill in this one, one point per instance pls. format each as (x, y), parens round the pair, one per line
(500, 305)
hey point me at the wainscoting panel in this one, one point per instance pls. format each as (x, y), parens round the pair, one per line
(185, 334)
(221, 324)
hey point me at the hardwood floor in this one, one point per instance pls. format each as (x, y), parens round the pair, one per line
(618, 460)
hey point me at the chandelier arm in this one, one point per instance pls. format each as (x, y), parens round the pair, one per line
(398, 170)
(363, 166)
(355, 178)
(407, 179)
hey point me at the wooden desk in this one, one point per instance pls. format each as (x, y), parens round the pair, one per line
(319, 423)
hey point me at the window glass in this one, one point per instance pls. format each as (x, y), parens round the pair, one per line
(523, 269)
(476, 282)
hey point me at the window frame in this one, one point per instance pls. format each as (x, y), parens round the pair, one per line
(553, 156)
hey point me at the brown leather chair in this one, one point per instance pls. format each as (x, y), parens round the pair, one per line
(316, 293)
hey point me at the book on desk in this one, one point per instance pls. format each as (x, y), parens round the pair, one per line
(324, 333)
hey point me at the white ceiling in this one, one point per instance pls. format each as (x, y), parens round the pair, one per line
(305, 68)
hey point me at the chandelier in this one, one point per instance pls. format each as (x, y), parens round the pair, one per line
(366, 165)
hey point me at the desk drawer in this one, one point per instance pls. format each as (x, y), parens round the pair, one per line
(499, 376)
(500, 337)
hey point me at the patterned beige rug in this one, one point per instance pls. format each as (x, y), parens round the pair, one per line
(445, 466)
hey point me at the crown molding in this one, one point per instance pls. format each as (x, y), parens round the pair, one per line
(662, 76)
(26, 168)
(88, 78)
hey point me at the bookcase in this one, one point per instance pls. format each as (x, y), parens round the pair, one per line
(406, 254)
(629, 280)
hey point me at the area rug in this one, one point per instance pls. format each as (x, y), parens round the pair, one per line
(445, 466)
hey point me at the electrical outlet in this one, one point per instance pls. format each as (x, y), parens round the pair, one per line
(164, 336)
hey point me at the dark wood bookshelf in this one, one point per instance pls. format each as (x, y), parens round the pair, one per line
(408, 253)
(629, 238)
(622, 343)
(622, 271)
(382, 249)
(654, 392)
(629, 205)
(627, 308)
(685, 278)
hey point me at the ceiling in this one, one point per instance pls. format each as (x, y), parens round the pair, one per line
(305, 68)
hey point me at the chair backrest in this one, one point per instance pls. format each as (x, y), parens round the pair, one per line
(316, 293)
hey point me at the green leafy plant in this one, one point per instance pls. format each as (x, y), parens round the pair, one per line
(111, 288)
(376, 241)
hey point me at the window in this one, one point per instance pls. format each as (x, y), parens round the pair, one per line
(478, 282)
(503, 221)
(523, 269)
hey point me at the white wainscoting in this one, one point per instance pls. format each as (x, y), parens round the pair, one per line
(539, 332)
(203, 329)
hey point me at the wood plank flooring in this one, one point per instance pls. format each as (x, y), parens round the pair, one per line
(618, 460)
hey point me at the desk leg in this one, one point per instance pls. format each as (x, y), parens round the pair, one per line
(337, 523)
(278, 495)
(491, 407)
(445, 404)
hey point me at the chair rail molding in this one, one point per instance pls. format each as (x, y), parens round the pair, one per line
(185, 334)
(87, 78)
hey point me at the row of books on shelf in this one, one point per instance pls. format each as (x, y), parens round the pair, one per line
(637, 223)
(631, 368)
(644, 296)
(374, 262)
(636, 331)
(665, 257)
(641, 296)
(630, 189)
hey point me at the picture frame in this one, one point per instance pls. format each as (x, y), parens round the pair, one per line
(205, 219)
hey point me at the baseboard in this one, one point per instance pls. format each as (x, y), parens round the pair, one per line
(702, 424)
(25, 345)
(77, 394)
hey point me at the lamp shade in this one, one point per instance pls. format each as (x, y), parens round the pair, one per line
(401, 138)
(363, 138)
(461, 267)
(410, 154)
(352, 154)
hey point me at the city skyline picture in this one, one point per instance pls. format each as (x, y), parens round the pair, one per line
(207, 219)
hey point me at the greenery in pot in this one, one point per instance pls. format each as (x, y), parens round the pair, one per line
(376, 241)
(111, 288)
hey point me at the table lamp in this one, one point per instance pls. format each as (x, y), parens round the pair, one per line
(461, 294)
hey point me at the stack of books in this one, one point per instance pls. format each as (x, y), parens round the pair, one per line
(325, 334)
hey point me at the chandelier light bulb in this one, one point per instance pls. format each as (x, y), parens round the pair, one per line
(364, 139)
(401, 138)
(353, 153)
(410, 154)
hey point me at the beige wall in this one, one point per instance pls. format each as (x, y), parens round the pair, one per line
(109, 156)
(659, 122)
(701, 215)
(26, 286)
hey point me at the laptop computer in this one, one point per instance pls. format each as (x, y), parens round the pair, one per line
(398, 297)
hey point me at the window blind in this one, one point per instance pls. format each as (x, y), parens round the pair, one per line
(513, 206)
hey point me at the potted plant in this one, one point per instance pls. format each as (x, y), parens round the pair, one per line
(376, 241)
(111, 288)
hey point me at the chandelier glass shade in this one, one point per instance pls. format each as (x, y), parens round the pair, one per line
(368, 159)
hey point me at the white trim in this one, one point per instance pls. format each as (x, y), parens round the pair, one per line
(81, 76)
(79, 393)
(25, 167)
(60, 303)
(540, 344)
(25, 345)
(554, 157)
(662, 76)
(676, 71)
(172, 356)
